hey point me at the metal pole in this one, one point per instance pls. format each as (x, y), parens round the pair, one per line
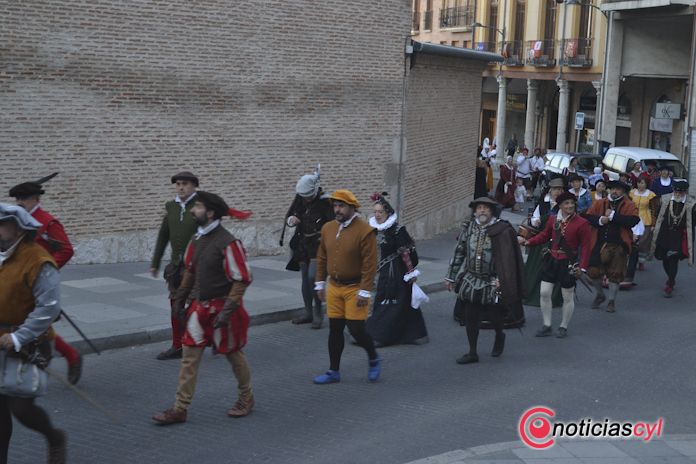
(577, 141)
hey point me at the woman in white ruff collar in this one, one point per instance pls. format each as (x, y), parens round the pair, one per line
(394, 318)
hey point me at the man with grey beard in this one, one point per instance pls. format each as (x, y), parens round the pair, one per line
(492, 273)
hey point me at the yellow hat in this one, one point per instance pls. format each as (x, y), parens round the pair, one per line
(345, 196)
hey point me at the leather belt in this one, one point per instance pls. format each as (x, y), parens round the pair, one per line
(344, 283)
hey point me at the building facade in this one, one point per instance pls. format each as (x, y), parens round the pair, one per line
(648, 99)
(444, 22)
(554, 55)
(119, 96)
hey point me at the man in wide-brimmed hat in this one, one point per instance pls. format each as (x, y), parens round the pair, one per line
(612, 219)
(492, 278)
(346, 268)
(29, 303)
(673, 239)
(176, 229)
(569, 256)
(51, 235)
(215, 278)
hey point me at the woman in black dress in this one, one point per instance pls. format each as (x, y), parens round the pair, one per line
(393, 319)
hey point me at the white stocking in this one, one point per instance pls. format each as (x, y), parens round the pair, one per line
(545, 292)
(568, 305)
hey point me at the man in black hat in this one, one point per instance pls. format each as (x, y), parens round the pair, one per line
(674, 237)
(51, 236)
(177, 228)
(663, 184)
(216, 276)
(612, 219)
(492, 273)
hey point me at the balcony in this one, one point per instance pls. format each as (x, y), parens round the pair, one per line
(578, 53)
(541, 53)
(459, 16)
(513, 52)
(486, 46)
(428, 20)
(415, 22)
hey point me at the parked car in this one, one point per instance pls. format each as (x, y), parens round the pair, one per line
(557, 162)
(622, 159)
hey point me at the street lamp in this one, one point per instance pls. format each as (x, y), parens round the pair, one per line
(499, 31)
(578, 2)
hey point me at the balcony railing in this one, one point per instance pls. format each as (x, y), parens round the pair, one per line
(415, 21)
(458, 16)
(428, 20)
(541, 53)
(577, 53)
(513, 52)
(485, 46)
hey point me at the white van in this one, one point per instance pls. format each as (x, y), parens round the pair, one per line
(622, 159)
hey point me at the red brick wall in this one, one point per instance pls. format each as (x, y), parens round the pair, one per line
(119, 95)
(444, 100)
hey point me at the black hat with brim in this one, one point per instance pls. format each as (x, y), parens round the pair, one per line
(680, 185)
(618, 184)
(185, 175)
(26, 189)
(213, 203)
(484, 201)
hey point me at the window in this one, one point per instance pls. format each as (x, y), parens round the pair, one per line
(556, 162)
(519, 21)
(455, 43)
(619, 164)
(565, 162)
(550, 20)
(609, 160)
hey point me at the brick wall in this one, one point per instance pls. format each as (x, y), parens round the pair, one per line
(442, 124)
(119, 95)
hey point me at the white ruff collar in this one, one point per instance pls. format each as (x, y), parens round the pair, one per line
(385, 225)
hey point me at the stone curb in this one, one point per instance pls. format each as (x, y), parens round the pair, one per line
(160, 334)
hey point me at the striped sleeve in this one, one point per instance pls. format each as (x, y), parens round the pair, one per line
(236, 266)
(188, 257)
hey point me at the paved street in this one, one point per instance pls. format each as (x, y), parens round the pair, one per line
(635, 364)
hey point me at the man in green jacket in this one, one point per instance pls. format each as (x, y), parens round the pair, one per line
(177, 229)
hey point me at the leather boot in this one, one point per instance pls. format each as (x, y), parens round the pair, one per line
(498, 345)
(318, 317)
(304, 319)
(241, 408)
(58, 453)
(170, 416)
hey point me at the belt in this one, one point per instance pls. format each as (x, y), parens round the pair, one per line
(344, 283)
(557, 254)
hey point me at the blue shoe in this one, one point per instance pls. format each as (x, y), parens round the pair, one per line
(328, 377)
(374, 371)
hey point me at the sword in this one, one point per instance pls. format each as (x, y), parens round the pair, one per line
(77, 329)
(582, 278)
(84, 396)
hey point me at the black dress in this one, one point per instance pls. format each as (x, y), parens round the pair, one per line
(393, 320)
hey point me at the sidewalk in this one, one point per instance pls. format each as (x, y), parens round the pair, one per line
(119, 305)
(672, 449)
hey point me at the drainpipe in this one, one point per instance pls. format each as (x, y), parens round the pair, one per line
(690, 108)
(408, 52)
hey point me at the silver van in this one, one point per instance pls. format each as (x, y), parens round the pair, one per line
(622, 159)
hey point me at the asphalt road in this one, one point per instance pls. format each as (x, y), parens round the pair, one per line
(634, 364)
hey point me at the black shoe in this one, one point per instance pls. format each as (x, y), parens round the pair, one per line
(562, 332)
(545, 331)
(75, 370)
(302, 320)
(58, 452)
(468, 359)
(498, 345)
(171, 353)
